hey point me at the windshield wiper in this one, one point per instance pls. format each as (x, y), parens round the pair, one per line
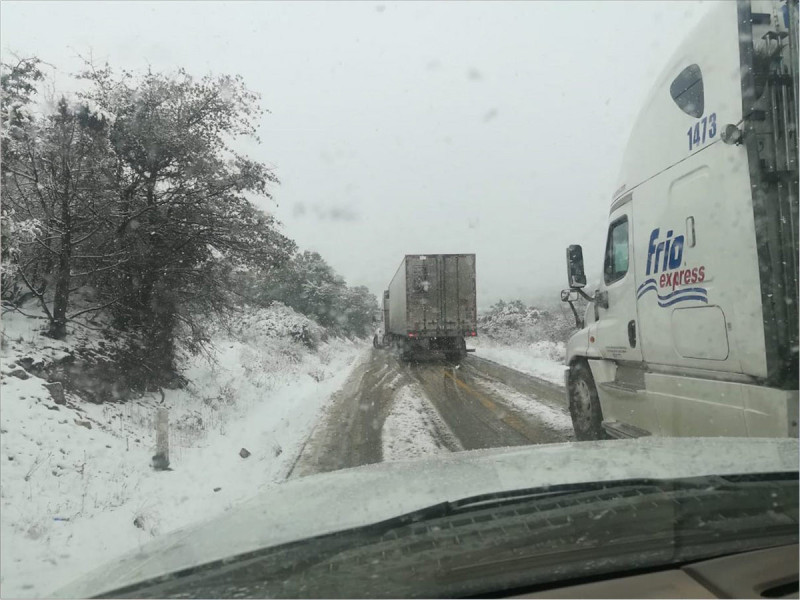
(527, 534)
(643, 485)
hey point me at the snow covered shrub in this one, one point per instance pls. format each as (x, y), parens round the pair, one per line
(554, 351)
(516, 323)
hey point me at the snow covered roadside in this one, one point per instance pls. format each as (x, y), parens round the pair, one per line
(554, 418)
(414, 428)
(540, 359)
(76, 485)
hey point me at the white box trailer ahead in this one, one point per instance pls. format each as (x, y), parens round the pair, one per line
(430, 306)
(693, 329)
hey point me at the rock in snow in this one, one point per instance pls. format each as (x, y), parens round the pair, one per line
(56, 391)
(19, 373)
(244, 453)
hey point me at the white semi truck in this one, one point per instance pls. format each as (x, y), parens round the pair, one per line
(693, 329)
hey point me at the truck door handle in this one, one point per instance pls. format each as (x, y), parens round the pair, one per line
(632, 333)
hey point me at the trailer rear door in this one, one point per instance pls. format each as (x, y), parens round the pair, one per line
(459, 293)
(441, 294)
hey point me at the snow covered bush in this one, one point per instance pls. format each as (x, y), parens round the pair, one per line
(278, 321)
(549, 350)
(516, 323)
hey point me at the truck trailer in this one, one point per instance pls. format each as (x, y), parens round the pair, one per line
(693, 328)
(430, 306)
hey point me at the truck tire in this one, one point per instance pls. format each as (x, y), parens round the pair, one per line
(457, 352)
(404, 350)
(584, 404)
(375, 342)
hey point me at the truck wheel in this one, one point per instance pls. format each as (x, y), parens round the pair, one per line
(375, 342)
(584, 404)
(404, 349)
(457, 351)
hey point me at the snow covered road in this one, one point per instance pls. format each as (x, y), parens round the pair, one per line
(389, 410)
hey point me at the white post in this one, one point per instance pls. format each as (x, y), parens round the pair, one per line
(161, 458)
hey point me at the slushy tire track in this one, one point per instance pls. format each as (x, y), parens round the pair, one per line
(349, 434)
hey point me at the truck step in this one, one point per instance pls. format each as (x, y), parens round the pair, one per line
(618, 387)
(623, 430)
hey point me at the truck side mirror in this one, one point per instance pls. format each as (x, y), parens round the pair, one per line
(569, 295)
(575, 273)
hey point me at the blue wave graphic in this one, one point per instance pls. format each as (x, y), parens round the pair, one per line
(702, 299)
(697, 290)
(682, 295)
(646, 281)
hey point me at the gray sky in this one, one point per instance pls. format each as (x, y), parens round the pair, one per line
(409, 128)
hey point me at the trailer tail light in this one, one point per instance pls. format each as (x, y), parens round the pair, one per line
(473, 333)
(412, 335)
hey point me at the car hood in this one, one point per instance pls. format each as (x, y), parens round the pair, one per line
(340, 500)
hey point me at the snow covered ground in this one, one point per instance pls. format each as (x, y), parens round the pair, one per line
(76, 485)
(414, 428)
(543, 359)
(76, 482)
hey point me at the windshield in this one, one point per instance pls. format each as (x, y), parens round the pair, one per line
(276, 272)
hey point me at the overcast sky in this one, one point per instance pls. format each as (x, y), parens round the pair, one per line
(409, 128)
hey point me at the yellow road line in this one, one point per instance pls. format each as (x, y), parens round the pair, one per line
(483, 399)
(511, 420)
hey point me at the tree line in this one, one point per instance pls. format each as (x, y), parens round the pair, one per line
(130, 199)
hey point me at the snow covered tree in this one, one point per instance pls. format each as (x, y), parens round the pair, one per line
(183, 199)
(310, 286)
(55, 178)
(133, 190)
(359, 306)
(17, 88)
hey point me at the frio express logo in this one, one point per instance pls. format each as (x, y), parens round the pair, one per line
(665, 272)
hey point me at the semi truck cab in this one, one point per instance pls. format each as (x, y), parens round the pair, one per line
(692, 329)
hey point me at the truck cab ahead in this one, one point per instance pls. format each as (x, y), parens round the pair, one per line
(693, 328)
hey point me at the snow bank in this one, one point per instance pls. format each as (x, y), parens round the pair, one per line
(414, 428)
(76, 485)
(543, 359)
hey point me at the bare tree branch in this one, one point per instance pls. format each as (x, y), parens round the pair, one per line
(36, 293)
(96, 308)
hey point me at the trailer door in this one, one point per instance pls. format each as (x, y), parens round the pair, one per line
(424, 293)
(458, 291)
(467, 313)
